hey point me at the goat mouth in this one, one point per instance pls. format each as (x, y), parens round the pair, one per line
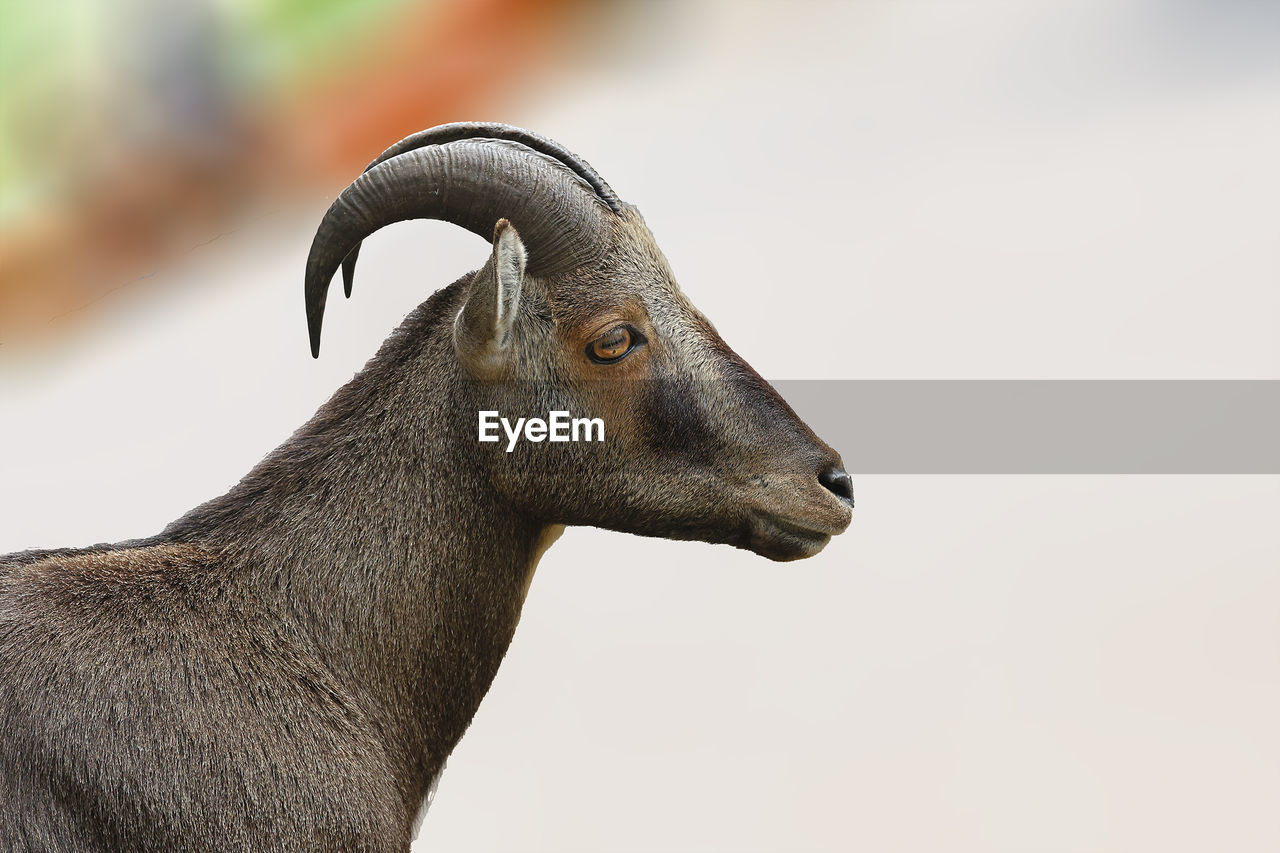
(780, 538)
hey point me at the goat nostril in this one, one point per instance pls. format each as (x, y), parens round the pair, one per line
(839, 483)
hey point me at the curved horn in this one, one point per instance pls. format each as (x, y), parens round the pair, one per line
(471, 183)
(446, 133)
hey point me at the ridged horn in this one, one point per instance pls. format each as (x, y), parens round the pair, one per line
(446, 133)
(471, 182)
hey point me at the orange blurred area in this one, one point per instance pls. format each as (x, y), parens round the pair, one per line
(192, 131)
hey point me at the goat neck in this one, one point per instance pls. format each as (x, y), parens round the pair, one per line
(383, 546)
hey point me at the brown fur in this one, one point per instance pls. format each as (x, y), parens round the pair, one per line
(288, 666)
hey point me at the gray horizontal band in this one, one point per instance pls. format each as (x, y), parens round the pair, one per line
(1045, 426)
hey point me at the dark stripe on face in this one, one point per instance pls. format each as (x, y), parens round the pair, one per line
(675, 422)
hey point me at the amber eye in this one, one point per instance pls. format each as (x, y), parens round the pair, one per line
(613, 345)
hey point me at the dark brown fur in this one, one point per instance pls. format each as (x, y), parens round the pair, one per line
(288, 666)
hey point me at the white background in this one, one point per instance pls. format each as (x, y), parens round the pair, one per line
(863, 190)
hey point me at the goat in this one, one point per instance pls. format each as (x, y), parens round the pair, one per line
(287, 666)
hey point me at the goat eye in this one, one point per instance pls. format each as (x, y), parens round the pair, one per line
(613, 345)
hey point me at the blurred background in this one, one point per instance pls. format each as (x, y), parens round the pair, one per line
(134, 132)
(1064, 189)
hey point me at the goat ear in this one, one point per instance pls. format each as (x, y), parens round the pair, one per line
(485, 328)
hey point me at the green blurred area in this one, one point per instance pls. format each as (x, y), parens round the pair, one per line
(76, 73)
